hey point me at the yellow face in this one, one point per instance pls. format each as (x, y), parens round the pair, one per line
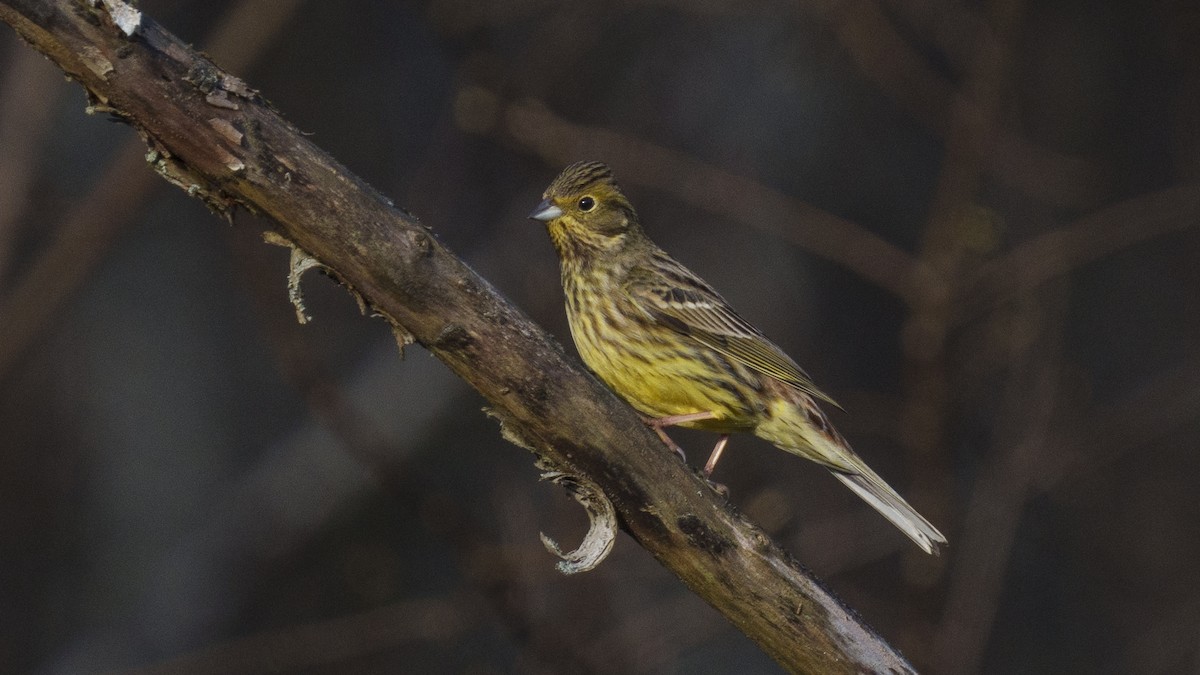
(585, 212)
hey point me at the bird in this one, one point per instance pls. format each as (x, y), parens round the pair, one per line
(667, 343)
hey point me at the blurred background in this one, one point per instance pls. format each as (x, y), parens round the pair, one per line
(974, 223)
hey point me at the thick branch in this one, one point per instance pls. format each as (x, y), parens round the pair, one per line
(212, 135)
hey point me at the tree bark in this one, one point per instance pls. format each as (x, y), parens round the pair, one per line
(215, 137)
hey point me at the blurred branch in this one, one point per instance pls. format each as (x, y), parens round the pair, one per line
(970, 130)
(1024, 449)
(1110, 432)
(886, 57)
(953, 27)
(302, 368)
(737, 198)
(91, 226)
(80, 243)
(674, 625)
(27, 97)
(1038, 450)
(339, 640)
(1168, 643)
(1091, 238)
(212, 135)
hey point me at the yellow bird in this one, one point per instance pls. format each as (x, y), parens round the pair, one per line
(667, 343)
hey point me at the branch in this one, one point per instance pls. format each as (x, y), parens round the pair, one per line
(889, 60)
(212, 135)
(85, 234)
(1094, 237)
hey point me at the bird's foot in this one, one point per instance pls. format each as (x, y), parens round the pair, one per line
(719, 488)
(667, 440)
(660, 423)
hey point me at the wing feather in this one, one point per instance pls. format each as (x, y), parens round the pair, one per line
(672, 294)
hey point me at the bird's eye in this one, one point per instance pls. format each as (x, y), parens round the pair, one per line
(587, 204)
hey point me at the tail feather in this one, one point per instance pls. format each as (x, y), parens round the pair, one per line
(892, 506)
(796, 425)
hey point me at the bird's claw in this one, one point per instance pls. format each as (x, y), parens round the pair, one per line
(667, 441)
(719, 488)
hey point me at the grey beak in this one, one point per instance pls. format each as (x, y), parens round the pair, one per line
(546, 211)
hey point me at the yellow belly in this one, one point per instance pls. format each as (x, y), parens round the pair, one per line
(663, 378)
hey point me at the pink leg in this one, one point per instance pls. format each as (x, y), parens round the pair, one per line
(669, 443)
(716, 455)
(673, 420)
(658, 424)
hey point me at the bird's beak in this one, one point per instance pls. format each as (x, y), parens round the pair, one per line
(546, 211)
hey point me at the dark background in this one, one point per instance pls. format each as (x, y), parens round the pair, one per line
(974, 223)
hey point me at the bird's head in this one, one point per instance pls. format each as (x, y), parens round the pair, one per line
(586, 213)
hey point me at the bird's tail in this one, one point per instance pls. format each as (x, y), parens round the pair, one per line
(892, 506)
(799, 427)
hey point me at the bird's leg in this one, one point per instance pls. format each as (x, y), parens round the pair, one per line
(669, 443)
(716, 455)
(671, 420)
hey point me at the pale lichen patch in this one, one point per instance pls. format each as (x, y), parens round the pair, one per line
(299, 263)
(219, 98)
(95, 61)
(123, 15)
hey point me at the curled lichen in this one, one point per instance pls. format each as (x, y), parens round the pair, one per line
(602, 525)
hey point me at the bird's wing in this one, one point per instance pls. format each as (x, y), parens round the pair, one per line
(672, 294)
